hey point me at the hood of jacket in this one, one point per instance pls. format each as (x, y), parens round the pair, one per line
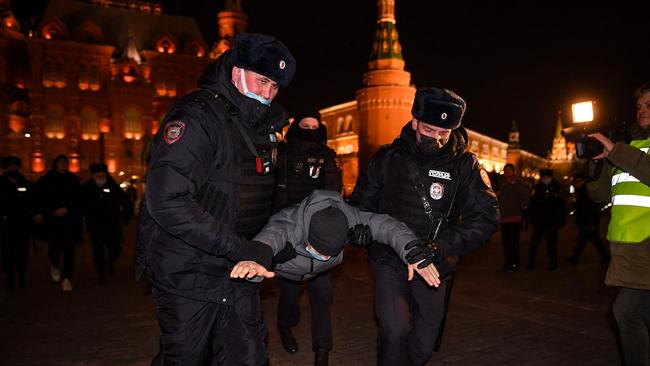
(217, 80)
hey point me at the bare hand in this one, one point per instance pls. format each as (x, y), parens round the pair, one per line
(60, 212)
(38, 219)
(429, 273)
(250, 269)
(607, 144)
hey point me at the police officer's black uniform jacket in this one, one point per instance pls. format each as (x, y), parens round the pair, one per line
(105, 207)
(55, 190)
(386, 187)
(204, 198)
(17, 206)
(304, 166)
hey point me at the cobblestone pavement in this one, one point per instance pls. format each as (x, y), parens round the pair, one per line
(523, 318)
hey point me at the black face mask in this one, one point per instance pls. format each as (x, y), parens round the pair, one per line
(305, 135)
(430, 146)
(13, 174)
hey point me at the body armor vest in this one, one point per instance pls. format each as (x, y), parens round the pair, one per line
(299, 173)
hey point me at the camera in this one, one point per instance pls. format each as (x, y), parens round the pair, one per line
(584, 125)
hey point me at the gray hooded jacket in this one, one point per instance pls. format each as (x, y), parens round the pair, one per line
(291, 226)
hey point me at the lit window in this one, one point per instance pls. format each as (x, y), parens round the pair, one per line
(54, 122)
(89, 123)
(132, 123)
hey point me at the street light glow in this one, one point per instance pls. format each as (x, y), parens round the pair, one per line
(583, 112)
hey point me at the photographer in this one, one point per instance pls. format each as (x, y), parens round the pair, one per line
(626, 175)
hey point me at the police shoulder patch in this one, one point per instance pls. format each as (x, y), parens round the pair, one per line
(174, 131)
(486, 178)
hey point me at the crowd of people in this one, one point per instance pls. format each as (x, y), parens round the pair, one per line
(228, 205)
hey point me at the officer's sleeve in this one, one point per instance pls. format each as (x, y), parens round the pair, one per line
(368, 187)
(332, 173)
(281, 229)
(479, 212)
(176, 172)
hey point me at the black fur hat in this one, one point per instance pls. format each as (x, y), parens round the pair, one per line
(264, 55)
(546, 172)
(438, 107)
(98, 167)
(8, 161)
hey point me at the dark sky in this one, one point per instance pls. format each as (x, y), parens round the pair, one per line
(509, 62)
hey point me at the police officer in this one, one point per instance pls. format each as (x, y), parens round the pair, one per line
(209, 191)
(58, 195)
(16, 213)
(106, 206)
(417, 179)
(305, 163)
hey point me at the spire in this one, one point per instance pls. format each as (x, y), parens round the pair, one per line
(513, 137)
(386, 49)
(558, 128)
(231, 20)
(131, 51)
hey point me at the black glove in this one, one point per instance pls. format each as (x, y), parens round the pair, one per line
(286, 254)
(360, 236)
(424, 250)
(253, 251)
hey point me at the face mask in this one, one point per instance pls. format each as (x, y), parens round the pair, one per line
(250, 94)
(303, 134)
(430, 146)
(317, 256)
(100, 182)
(547, 180)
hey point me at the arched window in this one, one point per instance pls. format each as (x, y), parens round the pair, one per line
(132, 123)
(89, 123)
(54, 122)
(166, 44)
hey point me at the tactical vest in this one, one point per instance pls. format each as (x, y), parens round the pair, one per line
(299, 173)
(400, 199)
(630, 204)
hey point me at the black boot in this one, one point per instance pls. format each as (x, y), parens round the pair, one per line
(322, 357)
(288, 340)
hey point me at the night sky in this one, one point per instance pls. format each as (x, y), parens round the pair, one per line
(517, 62)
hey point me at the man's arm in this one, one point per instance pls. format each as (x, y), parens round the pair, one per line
(281, 229)
(176, 172)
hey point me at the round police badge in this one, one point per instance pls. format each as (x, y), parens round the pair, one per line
(443, 115)
(437, 190)
(174, 131)
(282, 64)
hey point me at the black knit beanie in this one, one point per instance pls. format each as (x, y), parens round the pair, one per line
(328, 231)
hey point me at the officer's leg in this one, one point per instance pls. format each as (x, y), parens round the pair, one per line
(551, 236)
(114, 251)
(581, 242)
(185, 326)
(239, 336)
(535, 239)
(428, 309)
(68, 258)
(594, 237)
(22, 254)
(516, 233)
(631, 309)
(54, 248)
(8, 259)
(320, 300)
(288, 307)
(392, 302)
(99, 253)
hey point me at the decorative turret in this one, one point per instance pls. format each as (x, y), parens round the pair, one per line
(231, 20)
(385, 102)
(513, 137)
(559, 151)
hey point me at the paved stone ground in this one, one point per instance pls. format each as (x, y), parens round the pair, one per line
(524, 318)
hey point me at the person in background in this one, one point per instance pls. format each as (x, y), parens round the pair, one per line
(547, 215)
(513, 198)
(58, 194)
(587, 216)
(17, 211)
(306, 163)
(106, 208)
(625, 176)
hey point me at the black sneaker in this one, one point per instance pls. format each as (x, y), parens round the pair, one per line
(322, 357)
(288, 340)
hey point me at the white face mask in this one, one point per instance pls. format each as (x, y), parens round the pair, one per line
(250, 94)
(547, 180)
(100, 182)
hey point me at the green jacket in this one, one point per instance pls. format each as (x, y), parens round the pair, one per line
(630, 264)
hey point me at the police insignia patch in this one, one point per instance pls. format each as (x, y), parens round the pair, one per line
(486, 178)
(437, 190)
(174, 131)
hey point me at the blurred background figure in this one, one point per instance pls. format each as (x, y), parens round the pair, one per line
(16, 214)
(306, 163)
(58, 195)
(547, 214)
(587, 215)
(106, 208)
(514, 196)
